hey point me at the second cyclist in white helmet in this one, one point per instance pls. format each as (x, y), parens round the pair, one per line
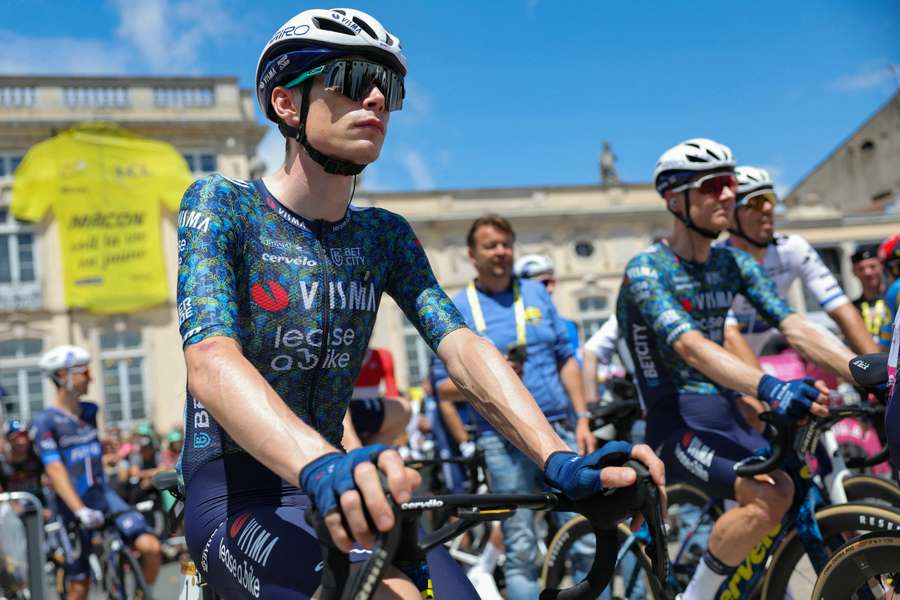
(785, 258)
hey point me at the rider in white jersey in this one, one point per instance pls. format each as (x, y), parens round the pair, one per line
(785, 258)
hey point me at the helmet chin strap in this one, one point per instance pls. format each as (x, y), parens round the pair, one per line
(689, 222)
(739, 231)
(334, 166)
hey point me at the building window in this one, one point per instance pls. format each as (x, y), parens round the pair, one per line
(867, 146)
(418, 354)
(17, 96)
(95, 97)
(179, 97)
(18, 265)
(9, 163)
(584, 249)
(593, 312)
(201, 162)
(21, 378)
(122, 362)
(831, 256)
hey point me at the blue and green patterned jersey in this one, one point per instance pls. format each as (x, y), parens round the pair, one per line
(664, 296)
(299, 296)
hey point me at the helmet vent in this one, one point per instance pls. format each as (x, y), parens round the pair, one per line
(366, 27)
(330, 25)
(713, 154)
(695, 159)
(389, 41)
(339, 11)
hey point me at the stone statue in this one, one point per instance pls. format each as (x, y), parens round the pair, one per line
(608, 172)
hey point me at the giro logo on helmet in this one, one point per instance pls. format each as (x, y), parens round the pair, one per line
(273, 301)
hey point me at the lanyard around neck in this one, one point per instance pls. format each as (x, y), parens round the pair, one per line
(519, 309)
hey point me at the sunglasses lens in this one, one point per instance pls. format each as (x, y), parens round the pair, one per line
(759, 201)
(355, 79)
(715, 185)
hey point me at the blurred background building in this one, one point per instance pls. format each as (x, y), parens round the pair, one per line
(590, 231)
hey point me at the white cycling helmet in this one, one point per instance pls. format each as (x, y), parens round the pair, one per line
(64, 357)
(687, 159)
(533, 265)
(752, 179)
(315, 36)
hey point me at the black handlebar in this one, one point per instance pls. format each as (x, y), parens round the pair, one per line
(402, 543)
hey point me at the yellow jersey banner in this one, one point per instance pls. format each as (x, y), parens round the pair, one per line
(104, 185)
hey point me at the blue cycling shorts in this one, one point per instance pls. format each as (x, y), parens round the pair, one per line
(367, 416)
(130, 523)
(246, 532)
(702, 441)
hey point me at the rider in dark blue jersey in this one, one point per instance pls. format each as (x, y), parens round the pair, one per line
(671, 310)
(66, 440)
(278, 288)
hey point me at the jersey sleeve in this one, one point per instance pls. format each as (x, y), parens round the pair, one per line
(207, 251)
(892, 299)
(817, 278)
(603, 343)
(45, 440)
(759, 289)
(413, 287)
(656, 303)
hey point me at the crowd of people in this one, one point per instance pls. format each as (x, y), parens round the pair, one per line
(289, 408)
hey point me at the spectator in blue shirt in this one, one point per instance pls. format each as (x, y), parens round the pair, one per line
(519, 317)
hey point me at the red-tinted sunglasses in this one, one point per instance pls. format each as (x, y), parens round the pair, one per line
(711, 184)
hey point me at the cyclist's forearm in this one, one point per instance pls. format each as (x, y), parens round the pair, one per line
(854, 329)
(818, 345)
(493, 388)
(247, 407)
(589, 376)
(62, 486)
(718, 364)
(452, 422)
(737, 345)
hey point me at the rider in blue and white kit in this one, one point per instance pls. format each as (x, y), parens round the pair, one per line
(671, 310)
(65, 435)
(279, 284)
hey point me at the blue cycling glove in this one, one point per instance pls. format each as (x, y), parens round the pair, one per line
(579, 476)
(788, 398)
(330, 475)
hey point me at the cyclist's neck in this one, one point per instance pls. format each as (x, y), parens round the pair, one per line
(759, 254)
(493, 284)
(688, 244)
(305, 188)
(67, 402)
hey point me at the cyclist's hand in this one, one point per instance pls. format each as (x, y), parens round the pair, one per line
(89, 518)
(793, 399)
(341, 483)
(467, 448)
(580, 476)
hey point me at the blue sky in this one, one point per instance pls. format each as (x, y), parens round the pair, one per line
(524, 92)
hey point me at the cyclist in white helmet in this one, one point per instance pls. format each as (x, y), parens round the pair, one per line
(541, 268)
(785, 258)
(67, 442)
(671, 310)
(279, 285)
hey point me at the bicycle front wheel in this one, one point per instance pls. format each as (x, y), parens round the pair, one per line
(131, 578)
(873, 490)
(790, 573)
(870, 563)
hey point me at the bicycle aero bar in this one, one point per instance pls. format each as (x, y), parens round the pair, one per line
(403, 545)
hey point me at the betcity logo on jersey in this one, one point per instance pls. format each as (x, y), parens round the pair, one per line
(641, 344)
(201, 421)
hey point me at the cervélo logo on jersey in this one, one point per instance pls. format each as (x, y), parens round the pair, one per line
(252, 539)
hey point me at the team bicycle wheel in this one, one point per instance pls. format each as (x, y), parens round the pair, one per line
(872, 490)
(868, 566)
(130, 578)
(630, 579)
(790, 573)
